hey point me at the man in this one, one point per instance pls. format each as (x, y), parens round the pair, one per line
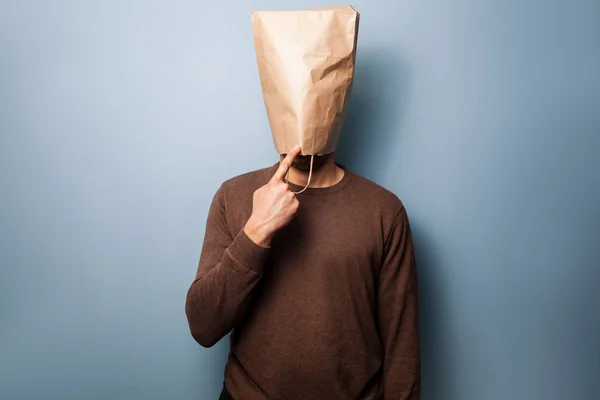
(319, 289)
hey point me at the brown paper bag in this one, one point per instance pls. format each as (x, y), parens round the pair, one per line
(306, 66)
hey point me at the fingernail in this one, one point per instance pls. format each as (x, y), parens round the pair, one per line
(296, 147)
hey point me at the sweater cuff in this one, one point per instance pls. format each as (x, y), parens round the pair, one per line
(247, 253)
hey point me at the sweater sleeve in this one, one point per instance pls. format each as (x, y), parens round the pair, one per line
(397, 314)
(228, 270)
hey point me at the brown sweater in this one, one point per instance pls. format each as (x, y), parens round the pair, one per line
(328, 312)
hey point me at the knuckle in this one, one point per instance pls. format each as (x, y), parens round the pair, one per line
(278, 193)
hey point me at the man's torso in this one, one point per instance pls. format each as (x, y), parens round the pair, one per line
(311, 325)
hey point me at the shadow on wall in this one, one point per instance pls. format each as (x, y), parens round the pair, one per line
(436, 373)
(375, 112)
(370, 139)
(211, 370)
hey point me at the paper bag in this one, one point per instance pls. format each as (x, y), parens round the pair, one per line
(306, 67)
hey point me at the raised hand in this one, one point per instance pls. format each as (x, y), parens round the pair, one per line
(273, 205)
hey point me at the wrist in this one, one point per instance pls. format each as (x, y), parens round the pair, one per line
(257, 233)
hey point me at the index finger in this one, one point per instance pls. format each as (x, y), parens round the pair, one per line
(285, 164)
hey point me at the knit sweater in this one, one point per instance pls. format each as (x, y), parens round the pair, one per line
(328, 311)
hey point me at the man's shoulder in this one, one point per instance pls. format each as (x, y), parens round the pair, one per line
(377, 195)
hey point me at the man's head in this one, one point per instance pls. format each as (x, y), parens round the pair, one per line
(302, 163)
(306, 67)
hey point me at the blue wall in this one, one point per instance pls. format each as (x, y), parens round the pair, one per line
(119, 119)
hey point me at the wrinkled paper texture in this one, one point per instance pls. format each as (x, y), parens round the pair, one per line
(306, 67)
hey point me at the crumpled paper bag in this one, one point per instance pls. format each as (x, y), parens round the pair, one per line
(306, 68)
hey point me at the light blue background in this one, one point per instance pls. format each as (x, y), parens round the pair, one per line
(119, 120)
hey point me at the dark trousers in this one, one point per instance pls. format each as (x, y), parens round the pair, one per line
(225, 394)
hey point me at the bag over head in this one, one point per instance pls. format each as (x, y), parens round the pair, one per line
(306, 67)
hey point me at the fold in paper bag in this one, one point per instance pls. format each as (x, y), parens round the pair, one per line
(306, 67)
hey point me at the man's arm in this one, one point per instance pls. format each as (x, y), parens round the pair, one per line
(228, 270)
(230, 267)
(397, 315)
